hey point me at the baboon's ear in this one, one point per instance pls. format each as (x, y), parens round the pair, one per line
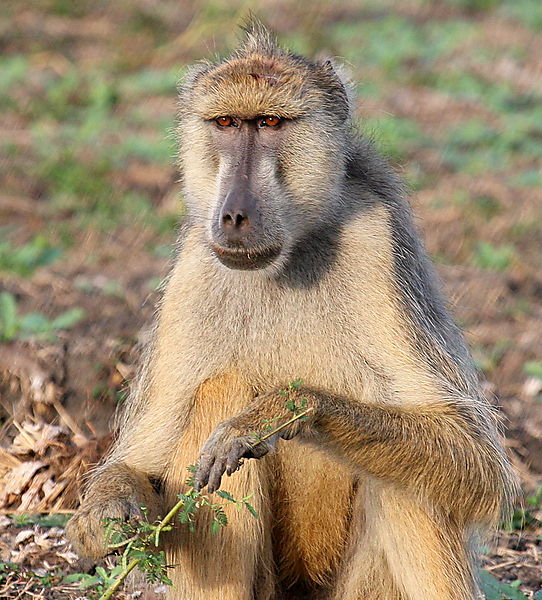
(189, 78)
(340, 85)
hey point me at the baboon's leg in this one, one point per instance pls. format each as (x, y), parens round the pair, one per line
(311, 502)
(401, 551)
(364, 573)
(236, 562)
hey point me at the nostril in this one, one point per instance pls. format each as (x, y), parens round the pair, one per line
(237, 220)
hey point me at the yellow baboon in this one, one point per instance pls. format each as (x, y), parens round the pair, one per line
(299, 260)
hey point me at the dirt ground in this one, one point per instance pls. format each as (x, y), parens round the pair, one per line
(90, 201)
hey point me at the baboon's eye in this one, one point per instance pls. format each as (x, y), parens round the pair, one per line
(269, 121)
(225, 122)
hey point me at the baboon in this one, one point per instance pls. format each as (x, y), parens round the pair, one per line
(299, 260)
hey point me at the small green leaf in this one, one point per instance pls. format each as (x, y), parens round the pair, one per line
(101, 572)
(290, 405)
(252, 510)
(533, 368)
(68, 319)
(89, 581)
(35, 323)
(225, 495)
(8, 316)
(78, 578)
(215, 526)
(495, 590)
(493, 257)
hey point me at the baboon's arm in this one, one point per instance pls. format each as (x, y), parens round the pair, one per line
(435, 451)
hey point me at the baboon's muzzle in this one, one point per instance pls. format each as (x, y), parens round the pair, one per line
(241, 239)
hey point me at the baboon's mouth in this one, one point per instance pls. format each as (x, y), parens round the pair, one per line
(241, 258)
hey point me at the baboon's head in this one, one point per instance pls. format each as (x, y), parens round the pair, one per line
(263, 139)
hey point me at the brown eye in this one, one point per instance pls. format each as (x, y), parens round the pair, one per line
(270, 121)
(224, 121)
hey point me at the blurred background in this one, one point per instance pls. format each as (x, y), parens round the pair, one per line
(450, 90)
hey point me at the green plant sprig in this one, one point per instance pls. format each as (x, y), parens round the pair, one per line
(140, 540)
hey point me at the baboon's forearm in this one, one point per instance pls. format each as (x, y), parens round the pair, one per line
(432, 451)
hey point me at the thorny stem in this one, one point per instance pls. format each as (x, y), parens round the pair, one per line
(133, 564)
(120, 579)
(180, 503)
(280, 427)
(124, 543)
(166, 520)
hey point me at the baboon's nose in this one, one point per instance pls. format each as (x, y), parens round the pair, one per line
(237, 217)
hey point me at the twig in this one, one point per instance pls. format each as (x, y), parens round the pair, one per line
(124, 543)
(180, 503)
(166, 520)
(500, 566)
(280, 427)
(120, 579)
(66, 417)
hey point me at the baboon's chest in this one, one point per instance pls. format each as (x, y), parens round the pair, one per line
(293, 343)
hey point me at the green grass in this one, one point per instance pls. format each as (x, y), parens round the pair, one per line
(395, 137)
(43, 520)
(146, 82)
(475, 5)
(25, 259)
(529, 178)
(14, 326)
(488, 358)
(533, 368)
(393, 42)
(526, 12)
(13, 73)
(493, 257)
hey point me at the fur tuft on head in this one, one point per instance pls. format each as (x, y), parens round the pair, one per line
(257, 39)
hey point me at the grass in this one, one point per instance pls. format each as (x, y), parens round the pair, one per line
(533, 368)
(34, 324)
(495, 590)
(526, 12)
(24, 259)
(394, 137)
(493, 257)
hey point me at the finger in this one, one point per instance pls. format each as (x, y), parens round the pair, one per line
(288, 433)
(232, 460)
(215, 476)
(260, 449)
(205, 464)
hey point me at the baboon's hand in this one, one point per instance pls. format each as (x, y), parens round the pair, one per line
(223, 451)
(117, 492)
(86, 530)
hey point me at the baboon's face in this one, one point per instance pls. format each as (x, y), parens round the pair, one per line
(246, 229)
(262, 155)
